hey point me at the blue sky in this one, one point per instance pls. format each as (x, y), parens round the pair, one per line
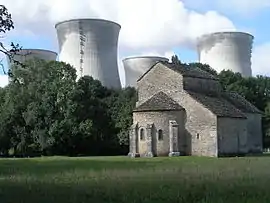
(149, 27)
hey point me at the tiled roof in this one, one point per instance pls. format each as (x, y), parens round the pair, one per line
(184, 70)
(159, 102)
(241, 103)
(217, 105)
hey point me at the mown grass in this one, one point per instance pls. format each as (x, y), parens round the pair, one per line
(120, 179)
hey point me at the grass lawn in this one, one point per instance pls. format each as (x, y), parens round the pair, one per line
(121, 179)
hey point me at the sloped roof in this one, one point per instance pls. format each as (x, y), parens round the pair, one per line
(241, 103)
(184, 70)
(159, 102)
(217, 105)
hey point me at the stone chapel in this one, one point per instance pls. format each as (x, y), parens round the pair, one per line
(184, 111)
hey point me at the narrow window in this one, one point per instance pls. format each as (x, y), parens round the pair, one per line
(142, 136)
(160, 135)
(198, 136)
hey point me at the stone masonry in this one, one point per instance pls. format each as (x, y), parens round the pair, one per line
(183, 111)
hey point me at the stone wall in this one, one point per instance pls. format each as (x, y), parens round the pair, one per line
(201, 127)
(232, 136)
(164, 78)
(201, 85)
(161, 122)
(254, 129)
(200, 123)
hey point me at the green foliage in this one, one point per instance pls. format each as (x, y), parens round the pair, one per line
(175, 60)
(122, 104)
(45, 111)
(6, 24)
(266, 123)
(204, 67)
(5, 19)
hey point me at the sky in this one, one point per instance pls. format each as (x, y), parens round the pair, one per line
(149, 27)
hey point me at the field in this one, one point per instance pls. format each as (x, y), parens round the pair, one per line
(120, 179)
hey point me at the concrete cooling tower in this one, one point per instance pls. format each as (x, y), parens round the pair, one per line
(91, 46)
(227, 51)
(135, 67)
(28, 54)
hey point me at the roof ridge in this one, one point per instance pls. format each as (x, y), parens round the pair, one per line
(183, 69)
(159, 102)
(148, 71)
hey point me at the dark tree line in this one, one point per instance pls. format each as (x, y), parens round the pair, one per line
(48, 113)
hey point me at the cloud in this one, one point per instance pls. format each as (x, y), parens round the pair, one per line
(159, 24)
(261, 60)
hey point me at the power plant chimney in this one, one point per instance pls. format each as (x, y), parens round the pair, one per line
(227, 51)
(29, 54)
(135, 67)
(91, 47)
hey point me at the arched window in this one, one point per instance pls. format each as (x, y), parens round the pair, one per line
(142, 135)
(160, 135)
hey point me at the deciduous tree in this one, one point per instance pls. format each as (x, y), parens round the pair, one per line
(6, 25)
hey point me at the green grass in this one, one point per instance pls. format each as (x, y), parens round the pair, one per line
(120, 179)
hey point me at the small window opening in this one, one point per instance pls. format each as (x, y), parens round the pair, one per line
(142, 136)
(198, 136)
(160, 135)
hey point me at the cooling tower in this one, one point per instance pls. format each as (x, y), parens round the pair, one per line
(227, 51)
(135, 67)
(91, 47)
(28, 54)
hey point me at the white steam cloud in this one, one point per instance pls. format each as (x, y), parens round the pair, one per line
(159, 24)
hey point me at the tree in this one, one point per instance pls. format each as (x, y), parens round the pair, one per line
(47, 112)
(266, 120)
(5, 19)
(33, 106)
(92, 131)
(50, 84)
(6, 24)
(121, 105)
(254, 89)
(175, 60)
(13, 130)
(204, 67)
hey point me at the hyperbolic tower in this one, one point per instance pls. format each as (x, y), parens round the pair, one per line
(28, 54)
(227, 51)
(91, 47)
(135, 67)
